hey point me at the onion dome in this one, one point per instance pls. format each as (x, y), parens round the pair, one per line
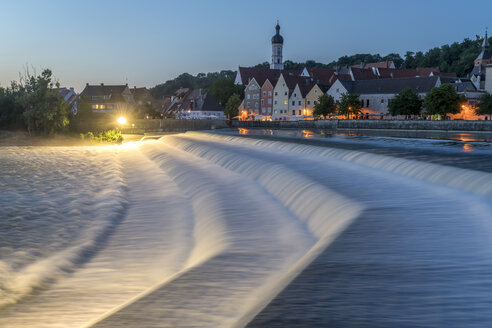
(277, 38)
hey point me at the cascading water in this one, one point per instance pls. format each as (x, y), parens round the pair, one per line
(209, 229)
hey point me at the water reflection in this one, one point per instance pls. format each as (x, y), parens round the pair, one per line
(464, 142)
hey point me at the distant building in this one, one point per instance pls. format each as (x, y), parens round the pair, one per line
(70, 96)
(145, 105)
(192, 104)
(375, 95)
(109, 98)
(488, 82)
(478, 74)
(266, 98)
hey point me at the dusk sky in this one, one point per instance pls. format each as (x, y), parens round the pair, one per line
(149, 42)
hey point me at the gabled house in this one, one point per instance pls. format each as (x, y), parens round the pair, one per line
(252, 98)
(266, 98)
(312, 97)
(281, 98)
(109, 98)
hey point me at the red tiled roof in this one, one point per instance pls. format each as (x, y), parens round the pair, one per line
(363, 74)
(261, 74)
(383, 64)
(321, 75)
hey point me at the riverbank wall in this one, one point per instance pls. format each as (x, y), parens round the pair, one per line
(376, 125)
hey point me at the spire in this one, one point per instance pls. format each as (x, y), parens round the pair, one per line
(485, 43)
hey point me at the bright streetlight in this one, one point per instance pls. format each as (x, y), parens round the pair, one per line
(121, 120)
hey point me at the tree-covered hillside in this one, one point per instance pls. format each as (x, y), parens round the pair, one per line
(185, 80)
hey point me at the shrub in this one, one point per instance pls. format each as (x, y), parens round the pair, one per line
(111, 136)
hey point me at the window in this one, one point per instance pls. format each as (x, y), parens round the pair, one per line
(276, 93)
(382, 101)
(299, 112)
(263, 109)
(269, 101)
(295, 95)
(316, 91)
(275, 111)
(309, 102)
(293, 112)
(248, 96)
(299, 103)
(285, 93)
(269, 109)
(262, 101)
(275, 102)
(285, 102)
(256, 104)
(264, 93)
(269, 93)
(315, 102)
(338, 90)
(367, 103)
(293, 103)
(247, 104)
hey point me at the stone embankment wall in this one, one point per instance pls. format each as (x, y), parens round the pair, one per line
(323, 125)
(145, 126)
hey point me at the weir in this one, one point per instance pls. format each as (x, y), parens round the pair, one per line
(218, 227)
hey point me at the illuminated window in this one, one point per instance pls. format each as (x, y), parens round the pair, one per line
(285, 102)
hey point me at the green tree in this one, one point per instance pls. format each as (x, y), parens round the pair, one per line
(45, 110)
(10, 109)
(325, 106)
(349, 105)
(406, 102)
(223, 88)
(485, 105)
(232, 106)
(442, 100)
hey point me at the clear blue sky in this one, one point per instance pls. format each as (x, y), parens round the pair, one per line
(149, 42)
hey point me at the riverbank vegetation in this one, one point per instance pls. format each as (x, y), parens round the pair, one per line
(34, 104)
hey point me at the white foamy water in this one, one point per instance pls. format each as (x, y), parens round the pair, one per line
(193, 229)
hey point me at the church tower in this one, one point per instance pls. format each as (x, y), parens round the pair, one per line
(485, 56)
(277, 44)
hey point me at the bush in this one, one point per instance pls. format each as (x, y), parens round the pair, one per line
(111, 136)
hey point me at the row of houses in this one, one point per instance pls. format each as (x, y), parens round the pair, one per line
(292, 95)
(138, 102)
(279, 94)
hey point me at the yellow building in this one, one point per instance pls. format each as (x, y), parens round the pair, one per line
(312, 98)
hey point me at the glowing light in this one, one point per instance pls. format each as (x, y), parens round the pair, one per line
(121, 120)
